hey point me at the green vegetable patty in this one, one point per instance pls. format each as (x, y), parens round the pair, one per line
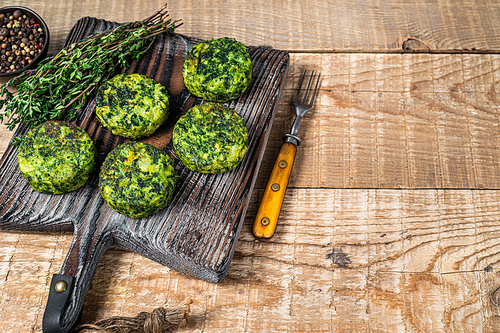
(137, 179)
(57, 157)
(132, 105)
(210, 138)
(218, 70)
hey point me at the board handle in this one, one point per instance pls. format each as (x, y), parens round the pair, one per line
(69, 288)
(267, 216)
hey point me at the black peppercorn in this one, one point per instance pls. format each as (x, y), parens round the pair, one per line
(21, 41)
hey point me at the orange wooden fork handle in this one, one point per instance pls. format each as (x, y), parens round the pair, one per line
(266, 219)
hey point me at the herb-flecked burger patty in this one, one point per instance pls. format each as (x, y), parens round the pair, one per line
(218, 70)
(57, 157)
(137, 179)
(210, 138)
(132, 105)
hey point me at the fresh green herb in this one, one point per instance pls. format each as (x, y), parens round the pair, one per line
(17, 140)
(60, 85)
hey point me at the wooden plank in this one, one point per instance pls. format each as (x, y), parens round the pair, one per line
(341, 260)
(392, 121)
(395, 121)
(312, 26)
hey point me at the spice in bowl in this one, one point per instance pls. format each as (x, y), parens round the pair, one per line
(21, 40)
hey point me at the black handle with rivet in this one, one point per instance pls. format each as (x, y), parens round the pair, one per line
(69, 288)
(59, 295)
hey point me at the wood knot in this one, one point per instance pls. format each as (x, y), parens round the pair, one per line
(414, 45)
(496, 296)
(338, 257)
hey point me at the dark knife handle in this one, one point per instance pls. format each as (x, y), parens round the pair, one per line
(267, 216)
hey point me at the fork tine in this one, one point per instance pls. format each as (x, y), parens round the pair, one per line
(314, 93)
(307, 90)
(300, 85)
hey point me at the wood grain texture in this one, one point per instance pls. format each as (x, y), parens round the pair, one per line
(197, 232)
(343, 260)
(312, 26)
(394, 121)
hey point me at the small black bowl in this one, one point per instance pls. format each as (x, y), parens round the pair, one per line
(43, 53)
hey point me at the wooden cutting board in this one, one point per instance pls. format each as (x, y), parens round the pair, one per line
(197, 232)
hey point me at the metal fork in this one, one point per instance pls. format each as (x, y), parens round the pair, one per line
(264, 224)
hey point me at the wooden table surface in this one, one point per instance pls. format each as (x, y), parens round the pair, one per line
(391, 222)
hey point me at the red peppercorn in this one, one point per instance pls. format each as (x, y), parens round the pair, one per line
(35, 24)
(37, 47)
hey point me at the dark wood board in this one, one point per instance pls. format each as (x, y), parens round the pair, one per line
(197, 232)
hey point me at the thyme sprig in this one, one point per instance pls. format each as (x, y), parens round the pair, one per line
(60, 85)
